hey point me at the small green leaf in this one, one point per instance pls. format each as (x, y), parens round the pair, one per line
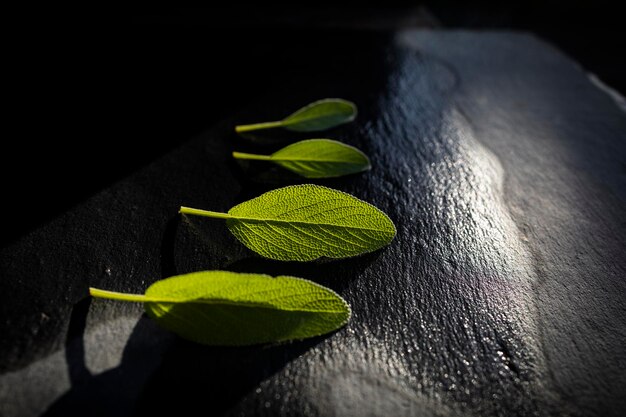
(306, 222)
(316, 158)
(233, 309)
(319, 115)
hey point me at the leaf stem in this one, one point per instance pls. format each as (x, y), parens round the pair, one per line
(112, 295)
(241, 155)
(258, 126)
(205, 213)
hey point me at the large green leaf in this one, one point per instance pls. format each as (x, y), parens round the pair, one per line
(316, 158)
(319, 115)
(306, 222)
(228, 308)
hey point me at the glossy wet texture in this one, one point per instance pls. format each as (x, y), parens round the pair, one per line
(503, 292)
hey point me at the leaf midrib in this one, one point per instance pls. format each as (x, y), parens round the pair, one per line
(289, 121)
(298, 222)
(300, 159)
(219, 302)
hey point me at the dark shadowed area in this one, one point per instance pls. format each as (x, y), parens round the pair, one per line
(499, 158)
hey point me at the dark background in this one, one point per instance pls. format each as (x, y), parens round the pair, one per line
(94, 95)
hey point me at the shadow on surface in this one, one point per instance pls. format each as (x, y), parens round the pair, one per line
(168, 264)
(161, 373)
(193, 377)
(332, 273)
(112, 392)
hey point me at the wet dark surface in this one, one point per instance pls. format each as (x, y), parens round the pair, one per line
(502, 166)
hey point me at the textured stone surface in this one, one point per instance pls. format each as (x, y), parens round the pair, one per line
(504, 293)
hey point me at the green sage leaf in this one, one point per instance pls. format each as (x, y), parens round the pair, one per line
(316, 158)
(233, 309)
(319, 115)
(306, 222)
